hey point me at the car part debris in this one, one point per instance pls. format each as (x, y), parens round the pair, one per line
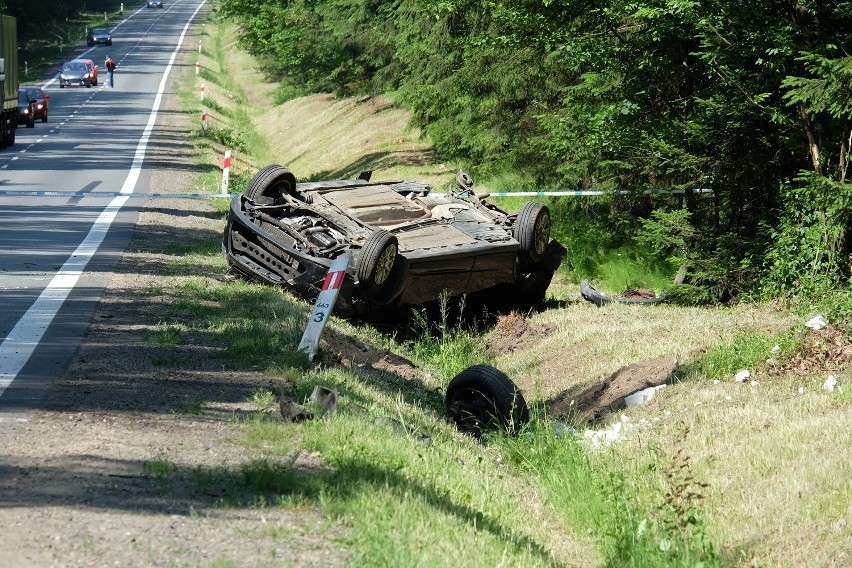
(322, 398)
(482, 398)
(599, 299)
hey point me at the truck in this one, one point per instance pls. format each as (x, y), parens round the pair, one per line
(9, 80)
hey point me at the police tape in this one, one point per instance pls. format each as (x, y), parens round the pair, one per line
(232, 195)
(696, 190)
(26, 193)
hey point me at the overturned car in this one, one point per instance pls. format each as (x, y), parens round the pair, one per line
(407, 244)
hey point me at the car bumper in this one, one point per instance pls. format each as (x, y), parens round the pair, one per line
(74, 82)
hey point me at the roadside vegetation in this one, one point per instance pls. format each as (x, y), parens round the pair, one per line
(712, 472)
(46, 37)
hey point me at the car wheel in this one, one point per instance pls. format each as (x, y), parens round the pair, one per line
(483, 398)
(272, 182)
(44, 118)
(380, 269)
(61, 86)
(31, 119)
(532, 229)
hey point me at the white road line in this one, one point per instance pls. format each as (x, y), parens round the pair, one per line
(17, 348)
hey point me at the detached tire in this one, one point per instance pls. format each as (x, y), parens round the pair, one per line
(380, 270)
(483, 398)
(271, 182)
(532, 230)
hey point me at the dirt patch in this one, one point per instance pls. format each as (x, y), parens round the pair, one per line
(824, 350)
(595, 401)
(514, 332)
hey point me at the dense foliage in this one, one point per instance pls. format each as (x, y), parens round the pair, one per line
(38, 20)
(751, 99)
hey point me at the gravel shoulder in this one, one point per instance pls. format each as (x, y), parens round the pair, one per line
(79, 483)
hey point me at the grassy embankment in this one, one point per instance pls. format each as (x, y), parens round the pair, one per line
(729, 473)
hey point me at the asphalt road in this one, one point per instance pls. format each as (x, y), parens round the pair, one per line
(56, 251)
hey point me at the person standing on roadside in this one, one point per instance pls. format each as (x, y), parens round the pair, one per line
(110, 65)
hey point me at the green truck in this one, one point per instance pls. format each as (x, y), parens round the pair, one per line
(9, 77)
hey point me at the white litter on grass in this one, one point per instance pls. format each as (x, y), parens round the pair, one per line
(801, 390)
(830, 383)
(716, 381)
(615, 432)
(776, 348)
(642, 396)
(742, 375)
(754, 383)
(817, 322)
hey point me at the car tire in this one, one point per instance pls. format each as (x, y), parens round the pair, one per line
(482, 398)
(31, 119)
(532, 230)
(61, 86)
(380, 269)
(272, 182)
(44, 118)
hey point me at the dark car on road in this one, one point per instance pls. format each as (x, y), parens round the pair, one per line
(26, 109)
(38, 97)
(99, 36)
(78, 72)
(407, 245)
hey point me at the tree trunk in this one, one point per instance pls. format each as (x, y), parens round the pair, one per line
(813, 147)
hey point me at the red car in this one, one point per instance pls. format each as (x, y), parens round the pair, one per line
(39, 98)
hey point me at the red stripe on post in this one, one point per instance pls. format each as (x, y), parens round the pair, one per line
(333, 280)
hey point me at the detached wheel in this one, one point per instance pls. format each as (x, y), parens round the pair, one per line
(272, 182)
(532, 229)
(482, 398)
(380, 270)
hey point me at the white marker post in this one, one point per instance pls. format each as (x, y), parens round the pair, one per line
(202, 92)
(226, 169)
(197, 67)
(324, 305)
(204, 122)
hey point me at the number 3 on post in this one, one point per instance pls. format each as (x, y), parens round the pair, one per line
(323, 306)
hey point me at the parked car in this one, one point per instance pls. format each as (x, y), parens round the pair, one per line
(155, 3)
(78, 72)
(39, 99)
(26, 110)
(99, 36)
(407, 244)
